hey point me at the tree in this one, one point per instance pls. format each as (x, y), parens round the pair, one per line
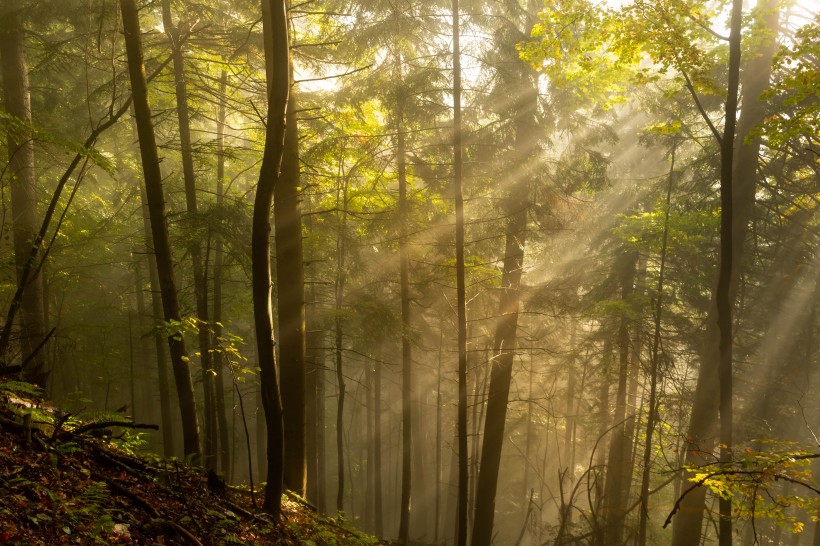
(291, 305)
(23, 199)
(518, 82)
(277, 51)
(738, 178)
(461, 299)
(197, 265)
(159, 229)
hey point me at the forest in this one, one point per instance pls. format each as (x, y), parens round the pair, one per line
(513, 272)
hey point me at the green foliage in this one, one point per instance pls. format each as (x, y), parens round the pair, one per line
(15, 126)
(21, 389)
(598, 54)
(795, 94)
(762, 484)
(576, 43)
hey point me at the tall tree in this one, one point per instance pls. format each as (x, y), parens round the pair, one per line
(517, 81)
(290, 290)
(723, 299)
(738, 183)
(620, 450)
(159, 229)
(194, 248)
(277, 49)
(219, 257)
(654, 366)
(461, 298)
(20, 143)
(404, 287)
(159, 349)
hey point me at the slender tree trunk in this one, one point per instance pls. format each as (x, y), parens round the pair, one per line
(194, 249)
(406, 357)
(146, 416)
(569, 421)
(159, 345)
(461, 299)
(341, 204)
(315, 396)
(378, 516)
(275, 29)
(314, 412)
(437, 511)
(631, 432)
(17, 101)
(501, 373)
(616, 488)
(287, 216)
(369, 446)
(478, 404)
(261, 437)
(507, 324)
(653, 361)
(723, 299)
(159, 229)
(219, 379)
(689, 521)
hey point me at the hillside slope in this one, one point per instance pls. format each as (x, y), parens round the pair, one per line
(63, 485)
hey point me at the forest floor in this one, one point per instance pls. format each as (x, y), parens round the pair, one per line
(62, 485)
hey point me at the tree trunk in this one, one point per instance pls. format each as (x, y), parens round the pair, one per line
(341, 204)
(406, 357)
(159, 345)
(516, 207)
(723, 299)
(287, 217)
(378, 515)
(17, 100)
(275, 30)
(461, 298)
(159, 229)
(688, 523)
(219, 378)
(616, 486)
(314, 413)
(653, 362)
(194, 249)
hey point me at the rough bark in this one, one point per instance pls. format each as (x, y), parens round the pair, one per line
(159, 229)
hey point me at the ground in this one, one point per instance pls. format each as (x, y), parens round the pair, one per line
(62, 484)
